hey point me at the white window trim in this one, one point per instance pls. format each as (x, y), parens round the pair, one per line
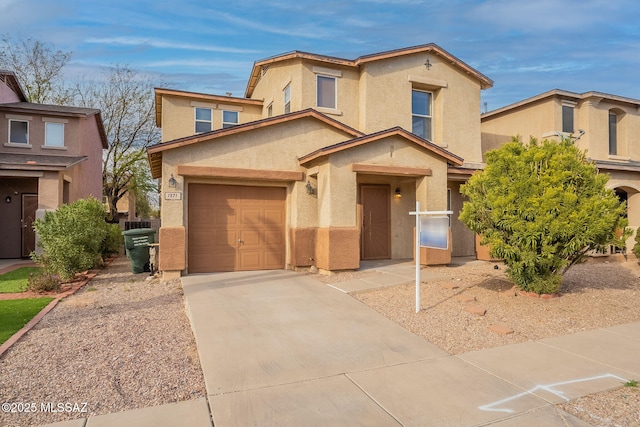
(327, 71)
(284, 97)
(196, 121)
(230, 123)
(46, 138)
(427, 137)
(335, 91)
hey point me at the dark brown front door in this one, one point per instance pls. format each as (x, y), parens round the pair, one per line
(376, 222)
(234, 227)
(29, 207)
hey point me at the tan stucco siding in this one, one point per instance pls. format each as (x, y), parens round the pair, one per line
(270, 88)
(385, 101)
(178, 114)
(534, 121)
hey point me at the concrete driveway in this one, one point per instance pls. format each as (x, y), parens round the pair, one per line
(279, 348)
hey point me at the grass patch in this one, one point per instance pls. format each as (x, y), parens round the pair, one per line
(632, 383)
(15, 313)
(16, 280)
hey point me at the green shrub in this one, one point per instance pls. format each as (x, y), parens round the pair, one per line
(636, 247)
(114, 240)
(72, 237)
(541, 208)
(43, 281)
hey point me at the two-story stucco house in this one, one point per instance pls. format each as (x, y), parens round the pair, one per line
(319, 164)
(49, 155)
(605, 125)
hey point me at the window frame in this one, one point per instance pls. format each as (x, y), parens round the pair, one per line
(287, 98)
(227, 124)
(47, 135)
(9, 137)
(270, 110)
(568, 126)
(428, 117)
(613, 133)
(196, 120)
(335, 91)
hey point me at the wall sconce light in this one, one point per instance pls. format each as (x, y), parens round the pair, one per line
(172, 182)
(8, 199)
(398, 194)
(310, 190)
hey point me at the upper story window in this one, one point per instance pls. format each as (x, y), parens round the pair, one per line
(270, 110)
(53, 134)
(287, 99)
(421, 114)
(18, 132)
(230, 118)
(326, 93)
(567, 119)
(613, 133)
(203, 119)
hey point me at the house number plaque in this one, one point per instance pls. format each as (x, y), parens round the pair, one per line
(173, 196)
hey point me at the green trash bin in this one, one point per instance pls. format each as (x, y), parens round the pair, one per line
(136, 245)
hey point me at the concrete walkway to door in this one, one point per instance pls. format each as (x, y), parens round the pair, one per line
(279, 348)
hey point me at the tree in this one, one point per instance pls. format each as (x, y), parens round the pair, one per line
(38, 68)
(125, 99)
(541, 207)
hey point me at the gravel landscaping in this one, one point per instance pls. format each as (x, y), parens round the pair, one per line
(121, 342)
(124, 341)
(593, 295)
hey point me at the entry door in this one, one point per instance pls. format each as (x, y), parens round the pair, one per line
(29, 207)
(376, 222)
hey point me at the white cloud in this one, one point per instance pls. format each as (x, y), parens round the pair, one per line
(142, 41)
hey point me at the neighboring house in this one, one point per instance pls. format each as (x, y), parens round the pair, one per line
(319, 164)
(605, 125)
(49, 155)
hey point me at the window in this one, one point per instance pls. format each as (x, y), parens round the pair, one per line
(567, 119)
(18, 132)
(421, 114)
(230, 118)
(613, 133)
(326, 91)
(203, 120)
(287, 99)
(270, 110)
(54, 134)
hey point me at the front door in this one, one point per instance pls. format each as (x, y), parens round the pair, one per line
(29, 207)
(376, 222)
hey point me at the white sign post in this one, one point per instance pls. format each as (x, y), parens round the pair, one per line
(434, 235)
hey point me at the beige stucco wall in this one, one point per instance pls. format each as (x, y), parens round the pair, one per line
(270, 87)
(178, 114)
(385, 101)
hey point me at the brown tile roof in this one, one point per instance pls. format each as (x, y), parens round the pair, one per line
(485, 81)
(365, 139)
(154, 152)
(12, 161)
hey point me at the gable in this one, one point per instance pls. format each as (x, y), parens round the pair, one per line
(270, 144)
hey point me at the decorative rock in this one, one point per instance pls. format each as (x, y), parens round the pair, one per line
(500, 328)
(476, 309)
(465, 298)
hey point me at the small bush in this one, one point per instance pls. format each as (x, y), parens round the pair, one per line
(636, 247)
(43, 281)
(72, 237)
(114, 240)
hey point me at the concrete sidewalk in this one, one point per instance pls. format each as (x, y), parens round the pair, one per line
(279, 348)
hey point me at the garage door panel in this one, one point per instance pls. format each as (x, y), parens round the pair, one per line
(219, 215)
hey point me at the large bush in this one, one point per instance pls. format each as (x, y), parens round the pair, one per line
(72, 237)
(541, 208)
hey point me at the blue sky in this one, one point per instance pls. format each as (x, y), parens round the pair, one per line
(526, 47)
